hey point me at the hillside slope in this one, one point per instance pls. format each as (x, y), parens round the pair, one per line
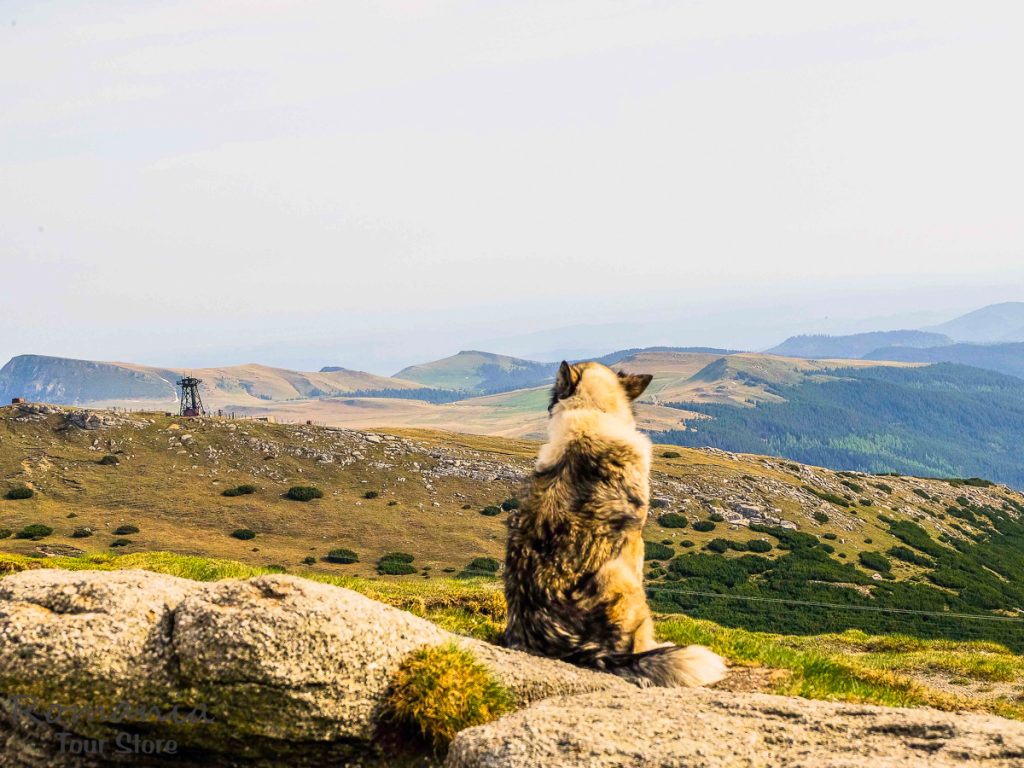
(944, 420)
(1003, 358)
(842, 539)
(480, 373)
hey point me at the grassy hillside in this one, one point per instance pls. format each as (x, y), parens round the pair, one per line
(946, 547)
(942, 420)
(480, 373)
(856, 345)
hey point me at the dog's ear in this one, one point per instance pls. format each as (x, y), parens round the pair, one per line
(634, 383)
(565, 382)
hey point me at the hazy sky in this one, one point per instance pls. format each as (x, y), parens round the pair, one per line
(375, 183)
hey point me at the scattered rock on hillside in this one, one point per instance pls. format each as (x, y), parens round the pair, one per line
(712, 729)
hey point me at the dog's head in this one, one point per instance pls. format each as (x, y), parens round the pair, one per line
(595, 386)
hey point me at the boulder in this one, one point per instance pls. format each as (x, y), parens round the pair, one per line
(712, 729)
(274, 668)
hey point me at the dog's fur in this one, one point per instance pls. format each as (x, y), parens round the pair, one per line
(574, 563)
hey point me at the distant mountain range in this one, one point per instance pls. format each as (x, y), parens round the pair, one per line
(480, 373)
(991, 338)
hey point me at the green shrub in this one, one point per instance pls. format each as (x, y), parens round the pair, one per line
(244, 534)
(110, 460)
(442, 690)
(658, 503)
(977, 482)
(704, 526)
(35, 531)
(120, 542)
(923, 494)
(671, 455)
(509, 504)
(716, 517)
(718, 545)
(5, 533)
(907, 555)
(485, 564)
(19, 492)
(883, 487)
(309, 560)
(864, 503)
(686, 543)
(853, 486)
(830, 536)
(124, 530)
(656, 551)
(826, 496)
(241, 490)
(821, 517)
(371, 495)
(398, 557)
(394, 568)
(759, 545)
(81, 533)
(490, 511)
(673, 520)
(875, 561)
(342, 556)
(304, 493)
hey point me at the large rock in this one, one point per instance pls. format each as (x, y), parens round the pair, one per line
(274, 668)
(712, 729)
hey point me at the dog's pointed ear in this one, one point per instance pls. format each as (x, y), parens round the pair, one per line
(634, 383)
(565, 382)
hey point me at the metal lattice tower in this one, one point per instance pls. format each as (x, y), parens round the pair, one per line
(191, 403)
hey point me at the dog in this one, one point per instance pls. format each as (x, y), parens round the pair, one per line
(575, 556)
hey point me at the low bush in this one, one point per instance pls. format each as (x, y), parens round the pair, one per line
(490, 511)
(704, 526)
(309, 560)
(440, 691)
(124, 530)
(35, 531)
(484, 564)
(509, 504)
(81, 533)
(830, 536)
(241, 490)
(826, 496)
(394, 568)
(671, 455)
(342, 556)
(5, 533)
(656, 551)
(821, 517)
(120, 542)
(371, 495)
(673, 520)
(244, 534)
(718, 545)
(759, 545)
(304, 493)
(19, 492)
(686, 543)
(658, 503)
(398, 557)
(716, 517)
(110, 460)
(875, 561)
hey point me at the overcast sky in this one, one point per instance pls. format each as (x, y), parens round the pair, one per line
(376, 183)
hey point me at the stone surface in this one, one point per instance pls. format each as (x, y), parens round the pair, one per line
(278, 666)
(712, 729)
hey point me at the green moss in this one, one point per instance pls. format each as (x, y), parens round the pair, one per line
(440, 691)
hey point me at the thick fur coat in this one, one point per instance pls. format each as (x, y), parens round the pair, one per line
(574, 563)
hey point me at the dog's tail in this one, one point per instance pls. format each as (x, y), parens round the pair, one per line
(670, 666)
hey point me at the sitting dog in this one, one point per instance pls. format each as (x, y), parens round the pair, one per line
(575, 557)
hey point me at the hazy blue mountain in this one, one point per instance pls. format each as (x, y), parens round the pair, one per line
(1004, 358)
(994, 323)
(855, 345)
(72, 382)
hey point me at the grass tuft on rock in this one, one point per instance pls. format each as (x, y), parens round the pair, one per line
(440, 691)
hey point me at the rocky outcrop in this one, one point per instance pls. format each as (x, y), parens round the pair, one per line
(274, 668)
(113, 668)
(712, 729)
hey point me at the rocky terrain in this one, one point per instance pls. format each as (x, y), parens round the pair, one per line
(135, 668)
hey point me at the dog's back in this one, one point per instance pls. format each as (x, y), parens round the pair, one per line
(574, 564)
